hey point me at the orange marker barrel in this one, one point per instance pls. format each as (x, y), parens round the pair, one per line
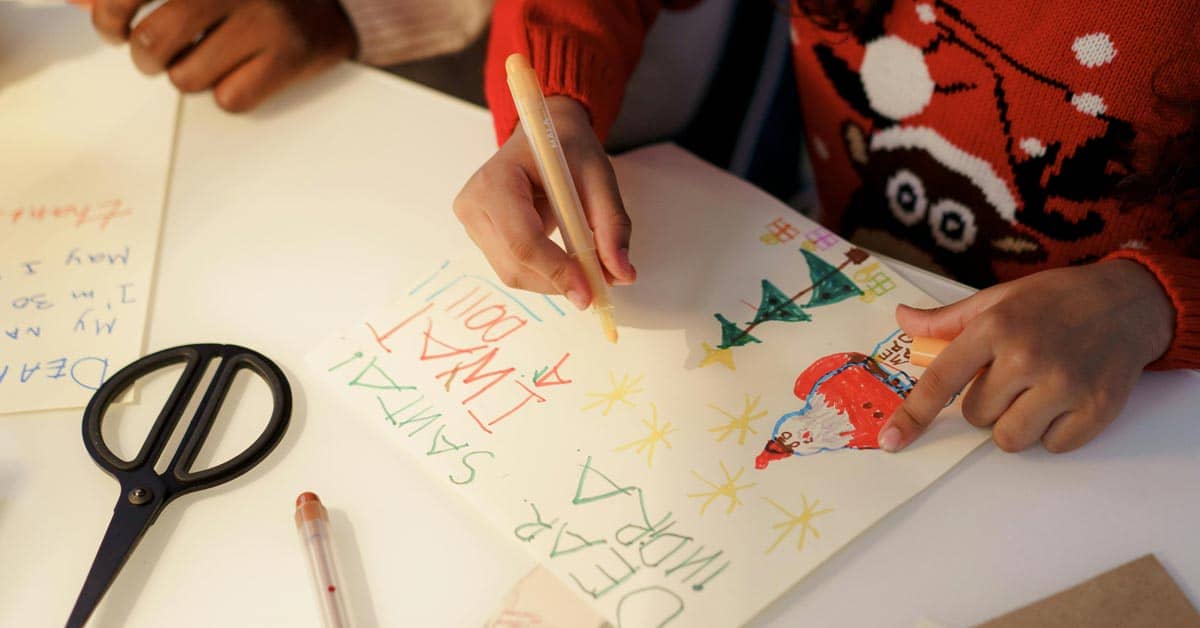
(924, 349)
(312, 522)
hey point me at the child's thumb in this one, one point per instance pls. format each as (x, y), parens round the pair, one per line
(948, 321)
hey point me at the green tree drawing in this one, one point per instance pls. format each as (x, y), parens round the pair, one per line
(830, 285)
(777, 306)
(731, 335)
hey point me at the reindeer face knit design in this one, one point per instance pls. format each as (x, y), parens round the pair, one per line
(988, 139)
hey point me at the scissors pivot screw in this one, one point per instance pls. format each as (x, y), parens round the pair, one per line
(139, 496)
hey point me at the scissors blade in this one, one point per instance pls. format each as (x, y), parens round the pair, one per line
(129, 523)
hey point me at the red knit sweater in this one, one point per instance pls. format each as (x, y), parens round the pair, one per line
(987, 137)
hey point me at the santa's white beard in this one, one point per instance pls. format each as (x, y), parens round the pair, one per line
(824, 424)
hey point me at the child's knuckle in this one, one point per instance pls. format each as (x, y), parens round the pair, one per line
(463, 206)
(522, 250)
(510, 278)
(558, 274)
(1006, 438)
(933, 382)
(1057, 444)
(232, 100)
(184, 81)
(974, 414)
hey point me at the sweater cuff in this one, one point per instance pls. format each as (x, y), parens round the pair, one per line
(570, 66)
(1180, 279)
(394, 31)
(565, 65)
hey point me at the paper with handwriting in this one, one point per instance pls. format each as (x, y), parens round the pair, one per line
(83, 174)
(692, 473)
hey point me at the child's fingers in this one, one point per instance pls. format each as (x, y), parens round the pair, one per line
(252, 82)
(994, 390)
(111, 18)
(526, 246)
(171, 29)
(498, 210)
(610, 223)
(947, 375)
(483, 234)
(948, 321)
(1072, 431)
(221, 51)
(1027, 419)
(1089, 417)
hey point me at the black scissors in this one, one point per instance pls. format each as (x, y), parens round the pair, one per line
(144, 493)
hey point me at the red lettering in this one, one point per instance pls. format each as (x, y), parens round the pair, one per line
(451, 349)
(463, 298)
(500, 319)
(530, 396)
(545, 380)
(379, 339)
(477, 374)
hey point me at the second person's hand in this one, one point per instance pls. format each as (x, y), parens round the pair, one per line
(244, 50)
(506, 213)
(1054, 355)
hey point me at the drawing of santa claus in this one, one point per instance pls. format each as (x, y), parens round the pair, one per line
(847, 398)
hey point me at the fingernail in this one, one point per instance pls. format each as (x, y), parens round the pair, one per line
(889, 439)
(576, 299)
(144, 40)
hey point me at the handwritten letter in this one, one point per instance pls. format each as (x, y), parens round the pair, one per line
(87, 144)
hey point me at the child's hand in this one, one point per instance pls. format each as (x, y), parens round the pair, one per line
(1057, 353)
(506, 213)
(245, 50)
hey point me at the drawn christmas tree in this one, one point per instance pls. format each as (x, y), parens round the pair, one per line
(776, 306)
(829, 285)
(732, 335)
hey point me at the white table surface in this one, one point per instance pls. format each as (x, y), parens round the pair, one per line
(283, 225)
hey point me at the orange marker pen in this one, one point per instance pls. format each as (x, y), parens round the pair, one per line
(924, 349)
(312, 522)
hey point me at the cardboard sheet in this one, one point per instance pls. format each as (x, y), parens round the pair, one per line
(1138, 593)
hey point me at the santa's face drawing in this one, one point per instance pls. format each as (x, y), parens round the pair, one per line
(847, 398)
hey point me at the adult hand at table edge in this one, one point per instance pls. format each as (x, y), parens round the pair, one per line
(506, 213)
(1054, 355)
(244, 50)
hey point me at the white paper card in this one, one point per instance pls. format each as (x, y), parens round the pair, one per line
(83, 171)
(692, 473)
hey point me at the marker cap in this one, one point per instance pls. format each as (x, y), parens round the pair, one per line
(925, 349)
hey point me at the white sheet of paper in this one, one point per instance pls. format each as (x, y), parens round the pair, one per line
(640, 472)
(83, 175)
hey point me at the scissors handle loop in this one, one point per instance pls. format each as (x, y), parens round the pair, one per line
(179, 478)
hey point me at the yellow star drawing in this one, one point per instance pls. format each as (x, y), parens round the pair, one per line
(657, 434)
(803, 520)
(729, 489)
(620, 392)
(711, 355)
(740, 422)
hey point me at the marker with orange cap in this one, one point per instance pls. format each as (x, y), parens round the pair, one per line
(924, 349)
(312, 522)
